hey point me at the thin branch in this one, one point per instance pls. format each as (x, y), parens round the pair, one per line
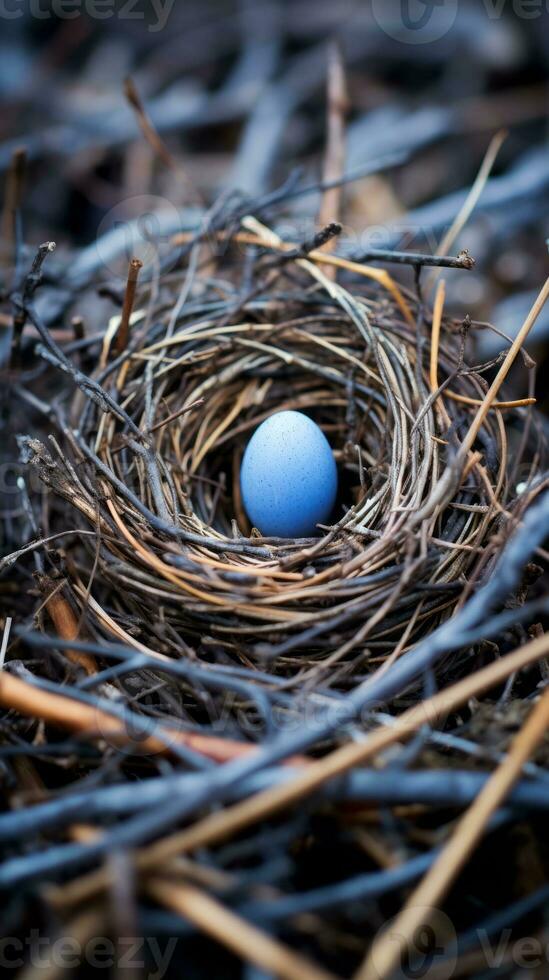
(123, 332)
(418, 259)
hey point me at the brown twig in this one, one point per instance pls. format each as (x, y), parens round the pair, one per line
(334, 157)
(123, 332)
(65, 621)
(13, 196)
(246, 940)
(56, 709)
(153, 138)
(146, 126)
(78, 327)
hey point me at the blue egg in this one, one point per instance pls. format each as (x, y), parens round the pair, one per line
(288, 477)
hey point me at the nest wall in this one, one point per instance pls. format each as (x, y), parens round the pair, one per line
(174, 559)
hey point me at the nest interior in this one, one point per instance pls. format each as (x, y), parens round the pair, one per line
(152, 460)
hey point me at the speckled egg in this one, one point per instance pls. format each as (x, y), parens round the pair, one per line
(288, 477)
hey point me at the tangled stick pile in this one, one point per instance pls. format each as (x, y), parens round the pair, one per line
(428, 466)
(183, 635)
(223, 755)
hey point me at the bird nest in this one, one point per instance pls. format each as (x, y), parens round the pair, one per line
(155, 435)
